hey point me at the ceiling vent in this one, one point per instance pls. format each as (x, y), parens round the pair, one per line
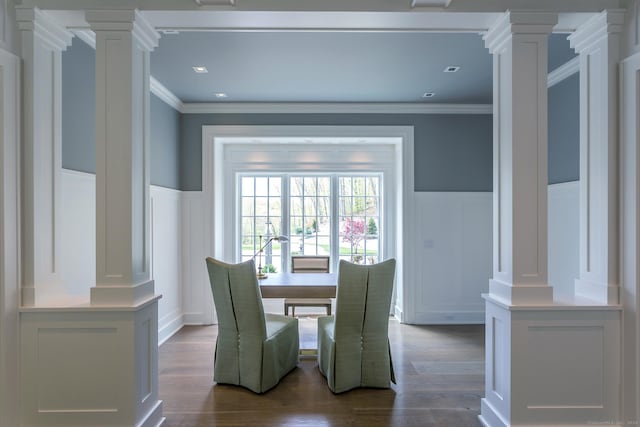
(429, 3)
(215, 2)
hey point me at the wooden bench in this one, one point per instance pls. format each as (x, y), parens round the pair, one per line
(308, 264)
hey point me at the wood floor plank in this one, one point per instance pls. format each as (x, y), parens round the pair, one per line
(439, 370)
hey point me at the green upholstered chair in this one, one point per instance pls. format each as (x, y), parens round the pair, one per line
(353, 345)
(253, 349)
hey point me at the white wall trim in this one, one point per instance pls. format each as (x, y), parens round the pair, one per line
(87, 36)
(10, 264)
(333, 108)
(563, 72)
(630, 232)
(159, 90)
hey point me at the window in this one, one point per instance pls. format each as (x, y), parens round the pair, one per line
(261, 217)
(329, 214)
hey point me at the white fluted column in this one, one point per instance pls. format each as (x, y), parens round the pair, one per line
(42, 44)
(598, 43)
(123, 43)
(518, 42)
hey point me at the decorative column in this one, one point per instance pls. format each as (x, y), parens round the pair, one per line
(518, 42)
(598, 43)
(42, 44)
(123, 43)
(547, 363)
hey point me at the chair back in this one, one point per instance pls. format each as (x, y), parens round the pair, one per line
(310, 264)
(363, 300)
(237, 298)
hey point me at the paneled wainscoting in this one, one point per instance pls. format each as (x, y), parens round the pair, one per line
(439, 370)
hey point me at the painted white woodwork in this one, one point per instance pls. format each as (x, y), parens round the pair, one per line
(218, 176)
(78, 256)
(631, 34)
(79, 248)
(452, 238)
(551, 365)
(564, 213)
(518, 42)
(630, 236)
(90, 366)
(43, 41)
(123, 42)
(197, 301)
(331, 108)
(563, 72)
(9, 235)
(598, 44)
(166, 257)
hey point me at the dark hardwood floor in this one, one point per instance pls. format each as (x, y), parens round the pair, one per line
(439, 371)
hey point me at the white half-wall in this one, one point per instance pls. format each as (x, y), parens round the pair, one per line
(452, 240)
(563, 229)
(78, 262)
(451, 234)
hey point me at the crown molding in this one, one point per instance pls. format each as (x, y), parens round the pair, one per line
(564, 71)
(597, 28)
(87, 36)
(159, 90)
(333, 108)
(50, 32)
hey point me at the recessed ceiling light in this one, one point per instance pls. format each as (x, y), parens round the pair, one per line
(221, 95)
(200, 69)
(451, 69)
(428, 94)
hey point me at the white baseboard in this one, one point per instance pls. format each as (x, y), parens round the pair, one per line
(169, 327)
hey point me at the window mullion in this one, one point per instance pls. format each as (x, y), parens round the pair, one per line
(334, 238)
(286, 223)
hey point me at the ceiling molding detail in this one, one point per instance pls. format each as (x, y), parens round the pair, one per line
(334, 108)
(159, 90)
(87, 36)
(564, 71)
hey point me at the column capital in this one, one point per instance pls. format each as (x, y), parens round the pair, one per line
(518, 22)
(596, 29)
(33, 19)
(128, 20)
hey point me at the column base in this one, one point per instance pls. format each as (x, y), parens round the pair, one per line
(551, 365)
(90, 366)
(521, 294)
(602, 293)
(122, 295)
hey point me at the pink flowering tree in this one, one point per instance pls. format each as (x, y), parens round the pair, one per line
(353, 231)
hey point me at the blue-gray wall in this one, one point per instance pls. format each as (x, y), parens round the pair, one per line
(165, 144)
(79, 107)
(79, 121)
(564, 130)
(452, 152)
